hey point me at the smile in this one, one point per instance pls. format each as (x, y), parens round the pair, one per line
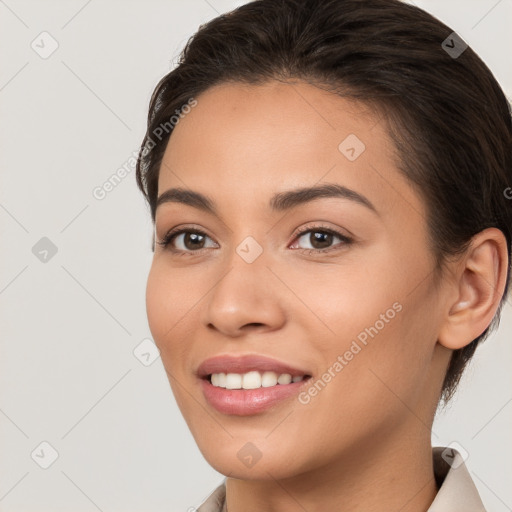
(248, 384)
(252, 380)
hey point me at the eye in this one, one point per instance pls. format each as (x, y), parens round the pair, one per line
(186, 241)
(319, 240)
(313, 240)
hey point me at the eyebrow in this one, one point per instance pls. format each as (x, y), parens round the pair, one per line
(279, 202)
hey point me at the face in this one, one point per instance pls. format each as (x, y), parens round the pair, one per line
(331, 285)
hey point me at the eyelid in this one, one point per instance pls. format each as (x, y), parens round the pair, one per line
(183, 227)
(311, 226)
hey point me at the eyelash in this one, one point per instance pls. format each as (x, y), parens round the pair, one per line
(171, 235)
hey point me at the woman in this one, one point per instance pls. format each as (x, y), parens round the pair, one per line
(332, 242)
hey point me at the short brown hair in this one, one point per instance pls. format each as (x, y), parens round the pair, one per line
(446, 113)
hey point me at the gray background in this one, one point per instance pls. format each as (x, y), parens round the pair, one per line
(70, 324)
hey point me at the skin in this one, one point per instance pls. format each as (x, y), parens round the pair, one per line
(363, 442)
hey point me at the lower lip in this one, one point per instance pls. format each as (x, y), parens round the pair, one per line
(244, 402)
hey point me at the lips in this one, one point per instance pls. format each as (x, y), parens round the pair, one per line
(247, 363)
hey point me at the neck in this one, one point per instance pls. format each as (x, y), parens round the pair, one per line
(389, 474)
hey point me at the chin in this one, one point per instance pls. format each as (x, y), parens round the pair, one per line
(245, 461)
(261, 471)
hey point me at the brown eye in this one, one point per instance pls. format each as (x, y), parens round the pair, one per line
(186, 241)
(320, 240)
(193, 241)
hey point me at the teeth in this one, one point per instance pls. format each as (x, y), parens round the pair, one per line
(284, 378)
(269, 379)
(219, 379)
(233, 381)
(252, 380)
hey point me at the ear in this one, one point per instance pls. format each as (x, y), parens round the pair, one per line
(478, 288)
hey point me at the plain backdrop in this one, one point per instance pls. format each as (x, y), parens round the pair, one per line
(75, 81)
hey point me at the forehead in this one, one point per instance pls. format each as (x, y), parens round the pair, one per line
(258, 139)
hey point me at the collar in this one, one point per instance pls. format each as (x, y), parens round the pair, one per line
(457, 490)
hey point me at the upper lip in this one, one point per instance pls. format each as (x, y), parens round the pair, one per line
(244, 364)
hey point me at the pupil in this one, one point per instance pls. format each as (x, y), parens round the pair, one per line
(323, 238)
(193, 237)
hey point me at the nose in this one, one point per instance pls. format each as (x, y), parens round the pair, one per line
(246, 297)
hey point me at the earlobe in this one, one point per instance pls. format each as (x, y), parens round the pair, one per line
(481, 279)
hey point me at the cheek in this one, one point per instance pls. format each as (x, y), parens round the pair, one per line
(170, 295)
(379, 327)
(173, 303)
(351, 302)
(164, 310)
(166, 306)
(156, 305)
